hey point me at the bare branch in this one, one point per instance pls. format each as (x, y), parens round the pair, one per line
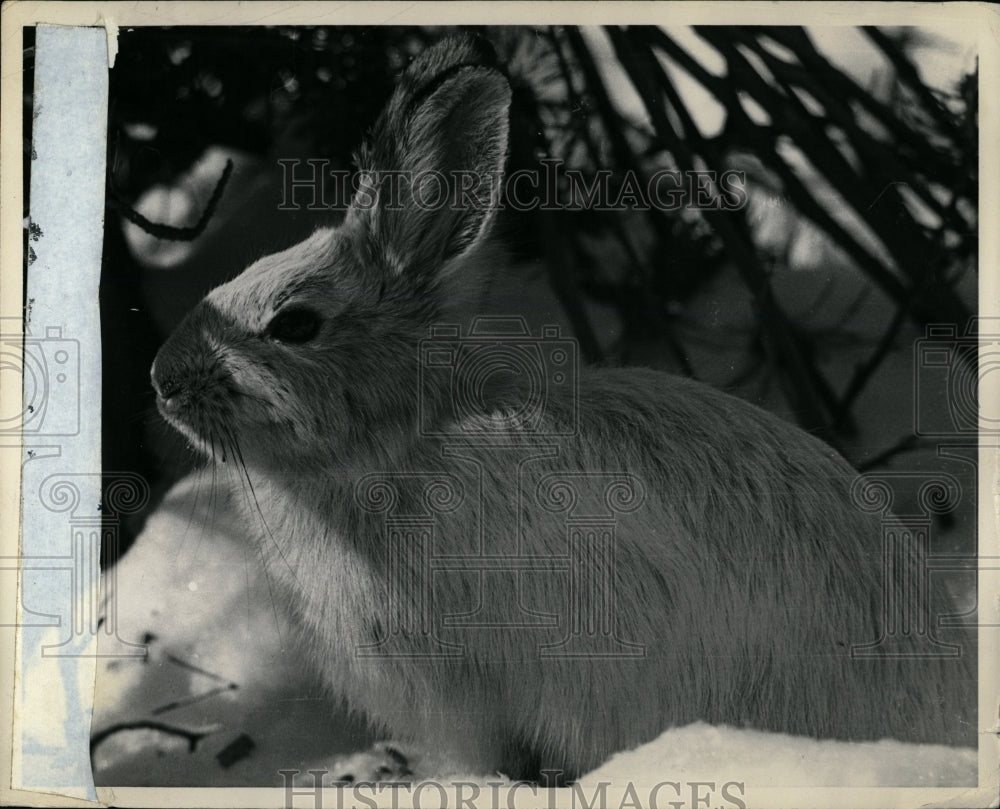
(160, 231)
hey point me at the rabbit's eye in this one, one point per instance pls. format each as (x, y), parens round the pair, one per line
(294, 325)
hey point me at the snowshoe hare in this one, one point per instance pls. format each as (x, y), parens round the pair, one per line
(489, 550)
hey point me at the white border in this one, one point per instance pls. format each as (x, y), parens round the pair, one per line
(985, 19)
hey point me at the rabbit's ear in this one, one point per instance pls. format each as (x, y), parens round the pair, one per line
(431, 174)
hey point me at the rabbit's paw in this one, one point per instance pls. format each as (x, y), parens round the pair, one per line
(382, 762)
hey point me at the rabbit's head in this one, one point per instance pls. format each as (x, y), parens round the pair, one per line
(311, 353)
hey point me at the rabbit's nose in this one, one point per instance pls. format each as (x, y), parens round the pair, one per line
(170, 395)
(168, 387)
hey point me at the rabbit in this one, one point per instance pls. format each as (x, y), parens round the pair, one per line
(420, 523)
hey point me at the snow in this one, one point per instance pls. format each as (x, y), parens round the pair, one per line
(700, 752)
(220, 662)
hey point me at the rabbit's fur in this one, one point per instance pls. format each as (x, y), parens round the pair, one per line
(743, 577)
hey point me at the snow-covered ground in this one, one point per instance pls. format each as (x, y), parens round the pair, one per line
(222, 663)
(700, 752)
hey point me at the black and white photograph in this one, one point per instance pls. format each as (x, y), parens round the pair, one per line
(435, 406)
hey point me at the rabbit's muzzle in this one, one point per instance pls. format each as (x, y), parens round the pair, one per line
(171, 392)
(187, 376)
